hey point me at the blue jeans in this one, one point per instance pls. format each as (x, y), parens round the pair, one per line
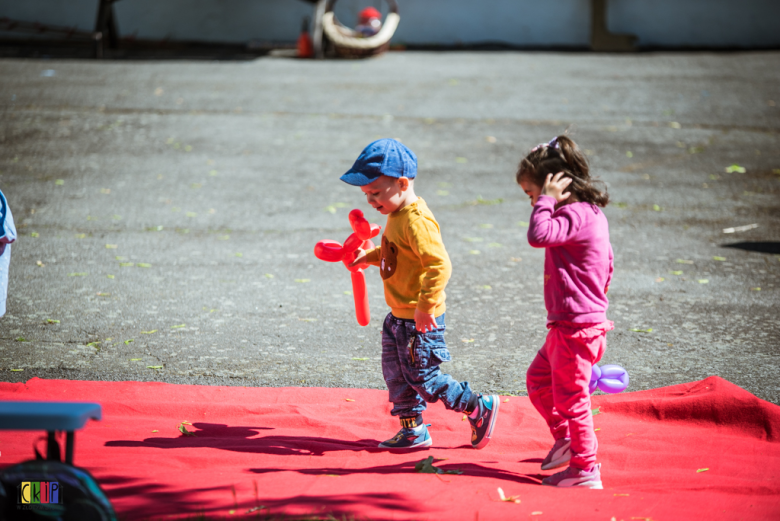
(410, 365)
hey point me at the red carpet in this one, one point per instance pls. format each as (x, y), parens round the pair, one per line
(311, 450)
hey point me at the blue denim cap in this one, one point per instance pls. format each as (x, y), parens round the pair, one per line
(382, 157)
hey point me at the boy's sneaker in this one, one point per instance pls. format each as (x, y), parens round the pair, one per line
(559, 455)
(482, 426)
(572, 477)
(409, 439)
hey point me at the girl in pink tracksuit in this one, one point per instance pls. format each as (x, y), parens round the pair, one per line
(567, 222)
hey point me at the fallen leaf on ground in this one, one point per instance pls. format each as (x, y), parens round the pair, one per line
(716, 258)
(127, 342)
(360, 359)
(101, 294)
(508, 499)
(657, 208)
(154, 367)
(17, 370)
(348, 400)
(148, 332)
(660, 279)
(676, 272)
(52, 321)
(302, 280)
(474, 252)
(83, 274)
(34, 234)
(735, 169)
(143, 265)
(704, 281)
(523, 224)
(703, 470)
(136, 359)
(39, 263)
(269, 276)
(595, 411)
(178, 326)
(155, 430)
(183, 428)
(21, 339)
(426, 467)
(637, 330)
(109, 276)
(683, 261)
(506, 400)
(126, 264)
(467, 340)
(473, 239)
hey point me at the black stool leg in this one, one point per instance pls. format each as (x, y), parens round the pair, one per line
(70, 440)
(52, 447)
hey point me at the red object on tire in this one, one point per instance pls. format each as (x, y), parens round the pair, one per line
(360, 294)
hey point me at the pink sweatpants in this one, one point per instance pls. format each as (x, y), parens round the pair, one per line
(558, 381)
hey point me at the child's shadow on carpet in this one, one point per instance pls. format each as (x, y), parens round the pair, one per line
(241, 439)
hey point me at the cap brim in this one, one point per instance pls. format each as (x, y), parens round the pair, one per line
(358, 178)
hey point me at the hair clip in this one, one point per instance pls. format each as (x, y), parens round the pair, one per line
(553, 143)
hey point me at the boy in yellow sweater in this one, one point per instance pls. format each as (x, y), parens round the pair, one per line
(415, 269)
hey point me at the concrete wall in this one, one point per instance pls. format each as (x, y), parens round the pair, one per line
(671, 23)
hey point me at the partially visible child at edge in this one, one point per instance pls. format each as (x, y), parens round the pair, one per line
(415, 269)
(567, 222)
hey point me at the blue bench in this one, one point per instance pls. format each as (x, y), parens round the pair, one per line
(49, 417)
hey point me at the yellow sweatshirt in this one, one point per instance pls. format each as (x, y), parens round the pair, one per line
(414, 265)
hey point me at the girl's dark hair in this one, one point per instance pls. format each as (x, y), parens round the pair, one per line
(563, 155)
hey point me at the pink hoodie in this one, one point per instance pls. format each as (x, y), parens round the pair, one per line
(577, 259)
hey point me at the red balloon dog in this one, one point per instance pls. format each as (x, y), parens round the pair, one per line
(332, 251)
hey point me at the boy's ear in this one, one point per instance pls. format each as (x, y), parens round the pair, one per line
(403, 183)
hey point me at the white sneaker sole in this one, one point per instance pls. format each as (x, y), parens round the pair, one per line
(486, 439)
(595, 485)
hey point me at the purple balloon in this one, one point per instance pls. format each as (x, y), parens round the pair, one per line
(614, 379)
(594, 378)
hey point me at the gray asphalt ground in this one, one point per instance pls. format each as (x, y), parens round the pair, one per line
(167, 212)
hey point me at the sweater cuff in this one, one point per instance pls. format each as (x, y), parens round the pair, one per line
(426, 307)
(372, 256)
(547, 200)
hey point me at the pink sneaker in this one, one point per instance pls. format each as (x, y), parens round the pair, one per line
(559, 455)
(572, 477)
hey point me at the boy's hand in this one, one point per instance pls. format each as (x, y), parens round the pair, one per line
(554, 186)
(424, 322)
(360, 258)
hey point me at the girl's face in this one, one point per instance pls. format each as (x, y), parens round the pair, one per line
(533, 190)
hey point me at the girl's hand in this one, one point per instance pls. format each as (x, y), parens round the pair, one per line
(424, 322)
(554, 186)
